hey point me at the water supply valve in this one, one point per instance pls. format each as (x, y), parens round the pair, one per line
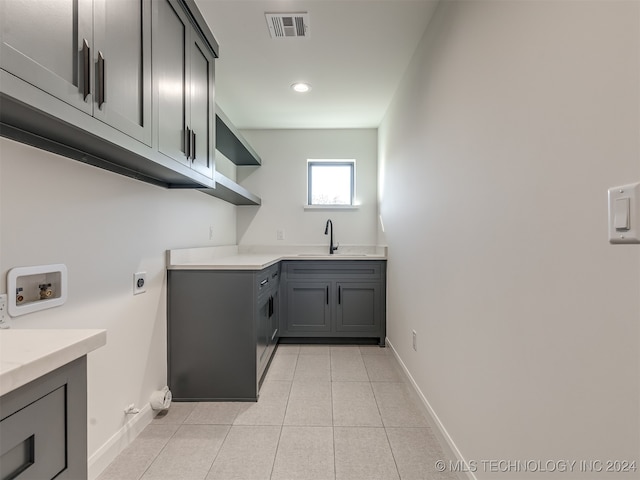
(19, 296)
(45, 291)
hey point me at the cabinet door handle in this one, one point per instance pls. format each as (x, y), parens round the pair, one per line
(339, 295)
(193, 145)
(101, 80)
(86, 60)
(263, 282)
(327, 295)
(187, 142)
(270, 307)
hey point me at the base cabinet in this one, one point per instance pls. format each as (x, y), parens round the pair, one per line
(221, 332)
(308, 308)
(44, 427)
(334, 299)
(359, 307)
(224, 325)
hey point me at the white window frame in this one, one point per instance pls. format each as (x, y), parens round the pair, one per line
(337, 162)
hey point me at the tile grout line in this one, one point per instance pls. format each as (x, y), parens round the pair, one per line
(384, 427)
(159, 452)
(386, 434)
(333, 426)
(219, 450)
(275, 456)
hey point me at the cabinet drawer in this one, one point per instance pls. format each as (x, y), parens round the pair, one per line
(267, 280)
(33, 440)
(330, 269)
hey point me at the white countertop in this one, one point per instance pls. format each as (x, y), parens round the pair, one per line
(251, 258)
(28, 354)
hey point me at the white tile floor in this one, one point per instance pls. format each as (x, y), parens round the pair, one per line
(325, 413)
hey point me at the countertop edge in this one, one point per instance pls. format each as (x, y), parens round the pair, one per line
(21, 372)
(230, 263)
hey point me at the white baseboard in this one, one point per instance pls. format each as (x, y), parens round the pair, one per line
(119, 441)
(441, 431)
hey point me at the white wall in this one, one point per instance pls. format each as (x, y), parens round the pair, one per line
(104, 227)
(495, 158)
(281, 182)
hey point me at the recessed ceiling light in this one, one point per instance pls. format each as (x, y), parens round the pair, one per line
(301, 87)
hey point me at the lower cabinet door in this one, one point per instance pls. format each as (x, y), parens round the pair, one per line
(33, 441)
(263, 331)
(308, 307)
(275, 318)
(358, 308)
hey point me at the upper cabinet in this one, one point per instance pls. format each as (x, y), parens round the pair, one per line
(121, 59)
(49, 44)
(124, 85)
(77, 78)
(92, 55)
(183, 69)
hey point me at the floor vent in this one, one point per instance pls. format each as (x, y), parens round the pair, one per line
(288, 25)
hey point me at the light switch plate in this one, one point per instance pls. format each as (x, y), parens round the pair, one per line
(624, 214)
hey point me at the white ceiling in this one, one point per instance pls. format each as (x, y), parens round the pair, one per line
(354, 58)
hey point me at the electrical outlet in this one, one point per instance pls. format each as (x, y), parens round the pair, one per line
(415, 340)
(139, 282)
(280, 234)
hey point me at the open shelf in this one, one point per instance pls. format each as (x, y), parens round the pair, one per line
(229, 191)
(231, 143)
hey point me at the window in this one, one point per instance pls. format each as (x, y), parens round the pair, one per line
(331, 182)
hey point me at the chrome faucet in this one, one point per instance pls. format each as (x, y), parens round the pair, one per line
(326, 231)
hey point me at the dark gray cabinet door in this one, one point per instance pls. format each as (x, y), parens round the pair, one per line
(262, 343)
(308, 307)
(359, 307)
(183, 69)
(32, 444)
(201, 114)
(48, 44)
(275, 317)
(122, 60)
(43, 426)
(171, 30)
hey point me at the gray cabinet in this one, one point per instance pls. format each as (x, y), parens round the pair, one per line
(359, 307)
(268, 323)
(48, 44)
(334, 299)
(308, 308)
(121, 60)
(93, 55)
(44, 427)
(183, 69)
(220, 332)
(77, 79)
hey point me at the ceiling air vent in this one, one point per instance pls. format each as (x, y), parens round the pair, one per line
(288, 25)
